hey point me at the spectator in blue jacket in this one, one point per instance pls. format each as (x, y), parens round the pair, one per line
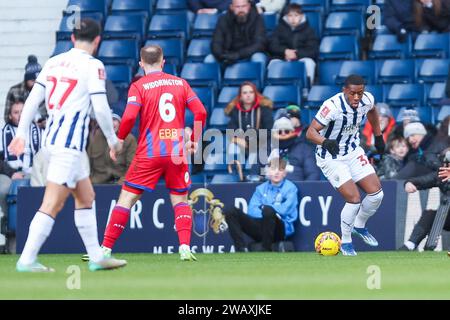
(272, 211)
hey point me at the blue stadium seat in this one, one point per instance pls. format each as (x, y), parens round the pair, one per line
(85, 6)
(62, 46)
(123, 27)
(198, 178)
(349, 5)
(218, 119)
(204, 25)
(239, 72)
(431, 45)
(169, 26)
(131, 7)
(206, 96)
(315, 21)
(122, 51)
(406, 95)
(120, 75)
(328, 72)
(436, 94)
(169, 68)
(68, 22)
(386, 46)
(215, 164)
(339, 48)
(224, 178)
(198, 49)
(377, 91)
(397, 71)
(270, 21)
(366, 69)
(226, 95)
(345, 23)
(189, 118)
(433, 70)
(318, 94)
(171, 6)
(202, 74)
(173, 50)
(443, 113)
(287, 72)
(283, 95)
(11, 199)
(313, 5)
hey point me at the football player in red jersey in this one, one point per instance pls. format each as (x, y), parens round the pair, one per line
(160, 99)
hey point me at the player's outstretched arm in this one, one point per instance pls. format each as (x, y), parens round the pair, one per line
(104, 119)
(374, 119)
(313, 134)
(37, 95)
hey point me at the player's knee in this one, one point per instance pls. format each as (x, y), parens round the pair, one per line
(353, 199)
(377, 197)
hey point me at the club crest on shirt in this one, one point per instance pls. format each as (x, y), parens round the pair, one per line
(101, 74)
(324, 111)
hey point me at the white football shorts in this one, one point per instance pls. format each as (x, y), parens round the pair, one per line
(353, 166)
(66, 166)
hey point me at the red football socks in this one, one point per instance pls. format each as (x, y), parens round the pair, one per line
(117, 223)
(183, 222)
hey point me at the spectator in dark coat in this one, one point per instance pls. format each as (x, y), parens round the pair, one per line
(249, 111)
(294, 148)
(394, 160)
(432, 15)
(294, 39)
(208, 6)
(398, 16)
(240, 34)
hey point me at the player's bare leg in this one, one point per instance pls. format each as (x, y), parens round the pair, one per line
(350, 193)
(183, 224)
(372, 187)
(86, 222)
(41, 226)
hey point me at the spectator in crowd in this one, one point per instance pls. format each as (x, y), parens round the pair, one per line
(447, 86)
(272, 211)
(432, 15)
(424, 149)
(270, 6)
(250, 110)
(208, 6)
(240, 35)
(425, 223)
(12, 167)
(394, 160)
(293, 147)
(405, 116)
(294, 39)
(21, 90)
(398, 16)
(103, 168)
(387, 124)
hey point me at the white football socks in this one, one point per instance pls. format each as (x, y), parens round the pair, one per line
(40, 228)
(348, 215)
(86, 223)
(369, 206)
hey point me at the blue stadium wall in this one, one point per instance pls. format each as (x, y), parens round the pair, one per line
(151, 226)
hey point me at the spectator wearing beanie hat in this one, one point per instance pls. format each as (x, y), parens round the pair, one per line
(294, 148)
(21, 90)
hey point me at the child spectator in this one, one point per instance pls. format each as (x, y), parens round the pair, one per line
(395, 159)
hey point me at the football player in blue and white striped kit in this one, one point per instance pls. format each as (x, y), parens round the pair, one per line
(335, 130)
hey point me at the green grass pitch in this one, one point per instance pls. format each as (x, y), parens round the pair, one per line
(399, 275)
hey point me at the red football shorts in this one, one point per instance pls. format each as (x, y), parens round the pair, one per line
(144, 174)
